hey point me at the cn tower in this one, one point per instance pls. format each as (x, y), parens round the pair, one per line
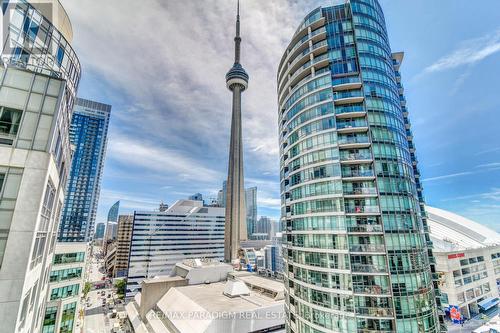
(235, 227)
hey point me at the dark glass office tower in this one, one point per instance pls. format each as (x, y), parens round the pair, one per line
(88, 135)
(356, 246)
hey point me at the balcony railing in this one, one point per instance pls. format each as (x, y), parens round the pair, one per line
(374, 312)
(372, 290)
(355, 156)
(346, 80)
(353, 139)
(367, 268)
(347, 94)
(349, 109)
(360, 191)
(367, 248)
(365, 228)
(351, 124)
(357, 173)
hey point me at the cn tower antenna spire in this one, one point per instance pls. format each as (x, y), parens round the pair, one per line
(237, 38)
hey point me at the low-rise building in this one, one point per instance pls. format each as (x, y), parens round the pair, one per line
(65, 285)
(208, 297)
(467, 262)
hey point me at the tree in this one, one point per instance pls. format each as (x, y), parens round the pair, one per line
(87, 288)
(120, 287)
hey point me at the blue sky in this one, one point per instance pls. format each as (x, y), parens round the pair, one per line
(161, 65)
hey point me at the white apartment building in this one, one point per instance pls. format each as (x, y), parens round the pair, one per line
(66, 285)
(38, 83)
(186, 230)
(468, 262)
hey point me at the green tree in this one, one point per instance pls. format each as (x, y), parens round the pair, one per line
(87, 288)
(120, 287)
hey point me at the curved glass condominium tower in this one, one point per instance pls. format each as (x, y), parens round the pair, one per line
(356, 246)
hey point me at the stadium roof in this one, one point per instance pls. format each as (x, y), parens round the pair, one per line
(452, 232)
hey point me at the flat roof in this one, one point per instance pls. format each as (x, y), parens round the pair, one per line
(211, 298)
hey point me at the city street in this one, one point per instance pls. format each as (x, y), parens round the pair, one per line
(98, 307)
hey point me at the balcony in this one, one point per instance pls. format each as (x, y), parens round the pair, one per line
(371, 290)
(355, 174)
(346, 83)
(348, 97)
(360, 191)
(368, 268)
(352, 126)
(355, 158)
(366, 228)
(402, 100)
(350, 111)
(358, 141)
(303, 42)
(375, 312)
(378, 248)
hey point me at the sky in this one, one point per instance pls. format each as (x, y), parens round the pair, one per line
(161, 64)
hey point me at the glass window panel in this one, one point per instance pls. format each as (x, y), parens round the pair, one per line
(42, 132)
(13, 97)
(54, 86)
(11, 187)
(40, 84)
(49, 105)
(35, 102)
(28, 125)
(18, 79)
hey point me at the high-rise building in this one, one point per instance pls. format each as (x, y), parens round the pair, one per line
(263, 226)
(113, 212)
(123, 241)
(236, 230)
(251, 209)
(357, 251)
(88, 134)
(186, 230)
(111, 228)
(99, 231)
(38, 83)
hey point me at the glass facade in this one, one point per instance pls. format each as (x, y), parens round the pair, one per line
(68, 258)
(88, 134)
(356, 244)
(113, 212)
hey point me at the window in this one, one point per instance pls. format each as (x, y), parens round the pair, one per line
(65, 258)
(63, 292)
(49, 322)
(65, 274)
(9, 124)
(67, 318)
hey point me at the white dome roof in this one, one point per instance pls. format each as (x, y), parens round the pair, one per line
(451, 232)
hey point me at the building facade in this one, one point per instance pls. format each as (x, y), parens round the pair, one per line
(99, 231)
(467, 262)
(88, 134)
(251, 210)
(123, 241)
(357, 251)
(38, 84)
(66, 283)
(186, 230)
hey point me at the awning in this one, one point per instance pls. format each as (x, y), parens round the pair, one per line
(488, 303)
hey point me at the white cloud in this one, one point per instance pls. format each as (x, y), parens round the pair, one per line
(452, 175)
(470, 52)
(168, 162)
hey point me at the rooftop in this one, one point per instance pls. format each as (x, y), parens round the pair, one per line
(452, 232)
